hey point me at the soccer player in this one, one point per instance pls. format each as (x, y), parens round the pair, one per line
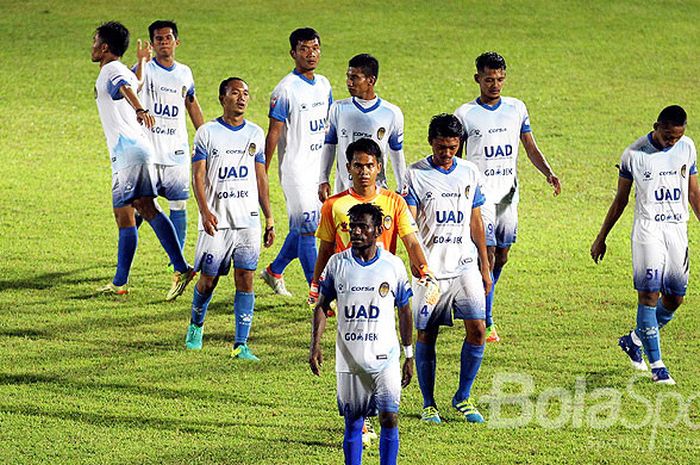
(298, 119)
(368, 282)
(364, 114)
(493, 128)
(167, 90)
(662, 167)
(444, 195)
(134, 179)
(229, 182)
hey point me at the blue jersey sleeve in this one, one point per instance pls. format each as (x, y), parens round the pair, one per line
(113, 88)
(626, 166)
(693, 169)
(403, 293)
(396, 141)
(190, 91)
(331, 135)
(327, 287)
(479, 198)
(410, 196)
(279, 108)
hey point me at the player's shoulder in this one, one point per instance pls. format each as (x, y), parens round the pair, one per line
(420, 165)
(391, 195)
(393, 261)
(513, 103)
(391, 107)
(687, 141)
(287, 81)
(332, 201)
(342, 104)
(209, 126)
(321, 79)
(254, 128)
(466, 165)
(466, 108)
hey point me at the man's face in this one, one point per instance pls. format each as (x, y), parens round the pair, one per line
(444, 149)
(164, 42)
(362, 231)
(306, 55)
(358, 83)
(98, 49)
(491, 82)
(667, 135)
(364, 170)
(235, 100)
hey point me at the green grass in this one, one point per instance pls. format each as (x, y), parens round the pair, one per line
(85, 379)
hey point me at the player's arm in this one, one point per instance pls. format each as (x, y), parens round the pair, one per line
(143, 116)
(264, 201)
(398, 164)
(476, 229)
(194, 110)
(143, 56)
(624, 186)
(694, 194)
(318, 326)
(406, 333)
(327, 159)
(199, 182)
(537, 159)
(274, 132)
(416, 257)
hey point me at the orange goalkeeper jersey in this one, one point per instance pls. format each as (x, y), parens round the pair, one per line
(398, 221)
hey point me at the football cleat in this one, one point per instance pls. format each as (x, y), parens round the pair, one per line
(492, 335)
(368, 434)
(662, 376)
(633, 351)
(180, 282)
(431, 415)
(193, 341)
(467, 408)
(277, 284)
(243, 352)
(111, 289)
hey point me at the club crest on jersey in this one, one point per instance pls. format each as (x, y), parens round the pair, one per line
(474, 133)
(384, 289)
(466, 191)
(251, 149)
(647, 175)
(388, 222)
(684, 168)
(184, 91)
(380, 133)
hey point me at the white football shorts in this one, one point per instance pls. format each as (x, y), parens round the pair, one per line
(214, 254)
(303, 207)
(366, 394)
(133, 182)
(660, 257)
(500, 223)
(174, 181)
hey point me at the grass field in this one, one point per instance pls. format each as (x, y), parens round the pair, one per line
(84, 379)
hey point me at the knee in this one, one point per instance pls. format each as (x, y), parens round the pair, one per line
(426, 337)
(244, 280)
(491, 252)
(476, 332)
(388, 420)
(501, 258)
(672, 302)
(648, 299)
(206, 284)
(146, 207)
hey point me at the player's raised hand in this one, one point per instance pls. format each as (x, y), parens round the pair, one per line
(324, 190)
(209, 221)
(598, 249)
(553, 181)
(143, 51)
(407, 372)
(316, 360)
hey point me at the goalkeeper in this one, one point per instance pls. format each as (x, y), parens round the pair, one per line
(443, 193)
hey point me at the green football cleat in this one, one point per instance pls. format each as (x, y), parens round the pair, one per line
(244, 353)
(111, 289)
(467, 408)
(491, 334)
(180, 282)
(431, 415)
(193, 341)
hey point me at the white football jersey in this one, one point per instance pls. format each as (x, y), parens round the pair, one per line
(367, 294)
(231, 153)
(444, 200)
(302, 104)
(349, 120)
(660, 178)
(127, 140)
(163, 93)
(492, 138)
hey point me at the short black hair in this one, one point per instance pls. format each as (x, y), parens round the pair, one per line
(364, 145)
(224, 84)
(490, 60)
(367, 63)
(303, 34)
(160, 24)
(115, 35)
(673, 115)
(368, 209)
(445, 125)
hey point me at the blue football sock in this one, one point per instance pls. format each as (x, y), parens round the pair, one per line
(388, 446)
(425, 366)
(179, 220)
(648, 331)
(470, 361)
(352, 440)
(307, 255)
(287, 253)
(128, 240)
(200, 303)
(168, 239)
(663, 315)
(489, 303)
(243, 304)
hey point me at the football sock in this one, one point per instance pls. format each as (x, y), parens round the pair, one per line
(648, 331)
(179, 220)
(489, 303)
(200, 303)
(388, 445)
(168, 239)
(352, 440)
(663, 315)
(243, 304)
(128, 240)
(307, 255)
(470, 362)
(287, 253)
(425, 366)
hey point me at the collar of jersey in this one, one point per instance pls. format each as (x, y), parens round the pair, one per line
(374, 259)
(440, 168)
(228, 126)
(653, 143)
(489, 107)
(367, 110)
(164, 67)
(304, 78)
(367, 199)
